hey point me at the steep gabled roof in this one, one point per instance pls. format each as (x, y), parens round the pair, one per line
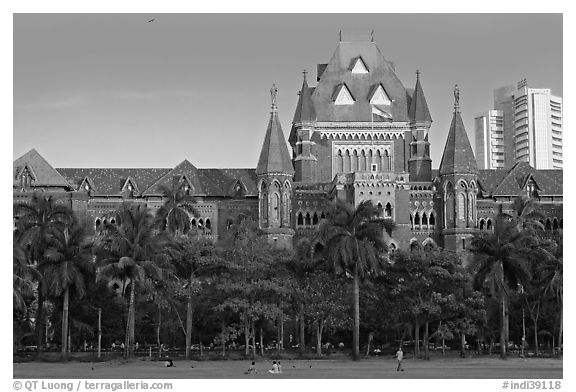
(338, 72)
(458, 156)
(274, 156)
(184, 168)
(109, 181)
(42, 173)
(418, 107)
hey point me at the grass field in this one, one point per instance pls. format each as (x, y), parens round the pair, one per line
(534, 368)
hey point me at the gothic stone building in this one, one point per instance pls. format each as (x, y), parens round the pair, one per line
(359, 134)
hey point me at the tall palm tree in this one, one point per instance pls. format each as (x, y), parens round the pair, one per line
(552, 276)
(36, 220)
(353, 244)
(526, 215)
(501, 264)
(132, 252)
(174, 215)
(68, 263)
(23, 276)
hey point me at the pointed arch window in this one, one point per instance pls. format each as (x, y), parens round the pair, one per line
(489, 224)
(315, 219)
(424, 220)
(411, 222)
(300, 221)
(307, 219)
(432, 221)
(417, 221)
(461, 206)
(388, 211)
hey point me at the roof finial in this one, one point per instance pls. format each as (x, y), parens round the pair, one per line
(417, 74)
(456, 98)
(304, 73)
(273, 95)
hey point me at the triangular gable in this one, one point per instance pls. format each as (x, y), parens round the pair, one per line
(39, 170)
(379, 96)
(130, 186)
(342, 95)
(238, 189)
(184, 170)
(359, 66)
(86, 185)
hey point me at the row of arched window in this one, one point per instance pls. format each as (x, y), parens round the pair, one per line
(422, 221)
(275, 204)
(346, 161)
(308, 219)
(549, 224)
(204, 225)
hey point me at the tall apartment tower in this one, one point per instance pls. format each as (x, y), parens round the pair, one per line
(490, 144)
(532, 126)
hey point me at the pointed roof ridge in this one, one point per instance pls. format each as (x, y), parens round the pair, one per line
(418, 107)
(274, 156)
(305, 107)
(183, 168)
(46, 174)
(458, 156)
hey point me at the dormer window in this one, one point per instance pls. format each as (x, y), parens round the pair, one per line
(359, 66)
(26, 177)
(379, 96)
(342, 96)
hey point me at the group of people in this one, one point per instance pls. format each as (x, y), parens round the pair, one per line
(276, 368)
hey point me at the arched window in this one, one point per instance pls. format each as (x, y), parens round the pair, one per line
(322, 215)
(417, 221)
(424, 220)
(275, 206)
(388, 211)
(200, 223)
(208, 224)
(97, 223)
(300, 221)
(380, 209)
(286, 207)
(315, 219)
(548, 225)
(432, 221)
(555, 224)
(307, 219)
(339, 162)
(461, 206)
(489, 224)
(193, 223)
(411, 222)
(481, 224)
(346, 162)
(264, 203)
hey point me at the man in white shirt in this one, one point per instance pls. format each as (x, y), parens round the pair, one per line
(399, 356)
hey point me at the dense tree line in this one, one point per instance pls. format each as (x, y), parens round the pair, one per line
(150, 280)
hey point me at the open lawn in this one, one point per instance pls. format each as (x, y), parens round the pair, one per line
(534, 368)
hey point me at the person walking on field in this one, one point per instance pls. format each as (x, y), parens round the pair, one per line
(399, 357)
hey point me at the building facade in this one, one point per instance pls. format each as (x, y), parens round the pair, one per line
(357, 135)
(489, 130)
(532, 126)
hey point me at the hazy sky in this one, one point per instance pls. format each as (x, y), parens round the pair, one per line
(113, 90)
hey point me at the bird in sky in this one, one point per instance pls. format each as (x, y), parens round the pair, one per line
(151, 20)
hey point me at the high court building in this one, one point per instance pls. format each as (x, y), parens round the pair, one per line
(358, 134)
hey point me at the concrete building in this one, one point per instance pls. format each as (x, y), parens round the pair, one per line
(490, 145)
(357, 135)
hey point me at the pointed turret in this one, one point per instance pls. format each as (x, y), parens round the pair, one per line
(305, 108)
(274, 156)
(458, 156)
(418, 107)
(458, 177)
(419, 164)
(275, 174)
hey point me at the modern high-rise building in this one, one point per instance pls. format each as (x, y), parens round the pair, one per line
(489, 129)
(531, 126)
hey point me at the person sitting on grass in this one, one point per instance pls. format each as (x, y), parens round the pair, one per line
(251, 369)
(168, 363)
(274, 368)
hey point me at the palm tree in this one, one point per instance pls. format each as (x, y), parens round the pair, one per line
(132, 252)
(526, 215)
(68, 264)
(23, 276)
(174, 215)
(501, 263)
(552, 276)
(36, 220)
(353, 244)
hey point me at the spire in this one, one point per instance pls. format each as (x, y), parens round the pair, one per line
(274, 157)
(418, 107)
(305, 107)
(458, 156)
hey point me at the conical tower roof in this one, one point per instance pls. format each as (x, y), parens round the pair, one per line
(458, 156)
(274, 156)
(418, 107)
(305, 107)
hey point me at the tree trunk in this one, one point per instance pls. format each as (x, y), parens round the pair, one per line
(535, 322)
(253, 338)
(426, 354)
(40, 321)
(246, 338)
(281, 333)
(65, 324)
(417, 339)
(462, 344)
(560, 329)
(302, 328)
(356, 331)
(189, 323)
(261, 342)
(370, 339)
(503, 327)
(319, 329)
(99, 332)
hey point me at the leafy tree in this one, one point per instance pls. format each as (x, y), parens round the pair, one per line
(551, 275)
(131, 252)
(174, 215)
(36, 220)
(353, 243)
(500, 264)
(68, 263)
